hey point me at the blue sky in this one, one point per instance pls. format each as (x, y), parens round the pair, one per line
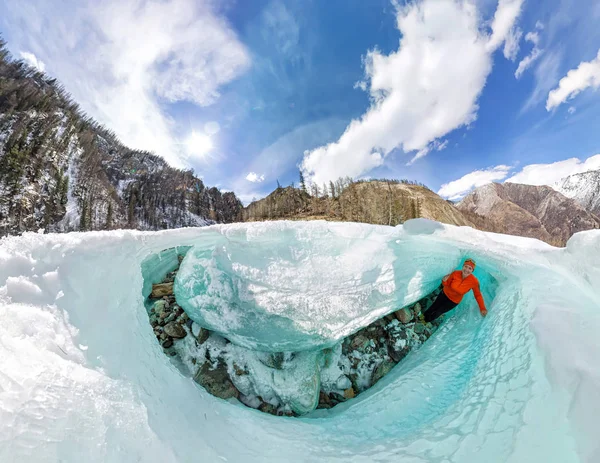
(451, 93)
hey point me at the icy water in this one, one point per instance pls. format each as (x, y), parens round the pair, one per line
(83, 379)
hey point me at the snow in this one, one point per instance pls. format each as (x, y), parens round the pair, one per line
(71, 219)
(583, 188)
(82, 377)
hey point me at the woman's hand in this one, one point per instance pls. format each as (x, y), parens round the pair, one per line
(483, 312)
(445, 279)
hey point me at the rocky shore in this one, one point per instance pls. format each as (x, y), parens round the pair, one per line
(299, 382)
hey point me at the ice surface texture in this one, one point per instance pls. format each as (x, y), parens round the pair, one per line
(83, 379)
(291, 288)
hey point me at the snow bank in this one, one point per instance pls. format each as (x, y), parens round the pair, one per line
(83, 379)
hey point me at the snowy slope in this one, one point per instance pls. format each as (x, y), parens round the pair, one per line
(583, 188)
(82, 378)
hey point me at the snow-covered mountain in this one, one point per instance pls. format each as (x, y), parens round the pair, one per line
(583, 188)
(61, 171)
(527, 210)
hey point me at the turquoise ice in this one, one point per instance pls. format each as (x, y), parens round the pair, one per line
(83, 379)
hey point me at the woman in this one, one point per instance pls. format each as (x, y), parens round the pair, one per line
(456, 285)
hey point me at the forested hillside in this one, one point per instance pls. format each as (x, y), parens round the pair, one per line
(62, 171)
(384, 202)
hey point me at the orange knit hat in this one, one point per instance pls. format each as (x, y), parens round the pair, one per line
(470, 261)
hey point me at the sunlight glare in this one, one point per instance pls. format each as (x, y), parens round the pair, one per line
(199, 144)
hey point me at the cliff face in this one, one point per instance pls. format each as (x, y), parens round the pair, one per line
(61, 171)
(526, 210)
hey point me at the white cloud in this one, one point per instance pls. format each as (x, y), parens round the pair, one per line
(421, 92)
(506, 15)
(511, 45)
(254, 177)
(586, 75)
(546, 75)
(458, 188)
(532, 174)
(122, 61)
(572, 110)
(539, 25)
(435, 145)
(32, 60)
(548, 174)
(536, 52)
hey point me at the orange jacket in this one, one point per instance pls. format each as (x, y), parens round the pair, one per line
(455, 288)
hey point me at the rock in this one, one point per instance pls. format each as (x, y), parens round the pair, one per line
(383, 369)
(324, 401)
(161, 289)
(336, 398)
(268, 408)
(167, 343)
(343, 382)
(159, 306)
(389, 317)
(175, 330)
(404, 315)
(419, 328)
(239, 371)
(180, 258)
(217, 381)
(417, 309)
(349, 393)
(271, 359)
(201, 334)
(358, 341)
(397, 355)
(164, 315)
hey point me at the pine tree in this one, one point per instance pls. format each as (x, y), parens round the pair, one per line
(302, 182)
(109, 216)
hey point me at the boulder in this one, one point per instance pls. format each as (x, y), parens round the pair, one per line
(271, 359)
(349, 393)
(417, 309)
(268, 408)
(161, 289)
(159, 306)
(216, 381)
(201, 334)
(419, 328)
(175, 330)
(404, 315)
(383, 369)
(324, 401)
(359, 341)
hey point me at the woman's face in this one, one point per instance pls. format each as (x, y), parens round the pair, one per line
(467, 270)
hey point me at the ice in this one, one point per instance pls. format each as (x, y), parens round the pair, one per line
(288, 288)
(82, 377)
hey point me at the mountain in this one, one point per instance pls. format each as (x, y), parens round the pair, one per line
(583, 188)
(62, 171)
(526, 210)
(385, 202)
